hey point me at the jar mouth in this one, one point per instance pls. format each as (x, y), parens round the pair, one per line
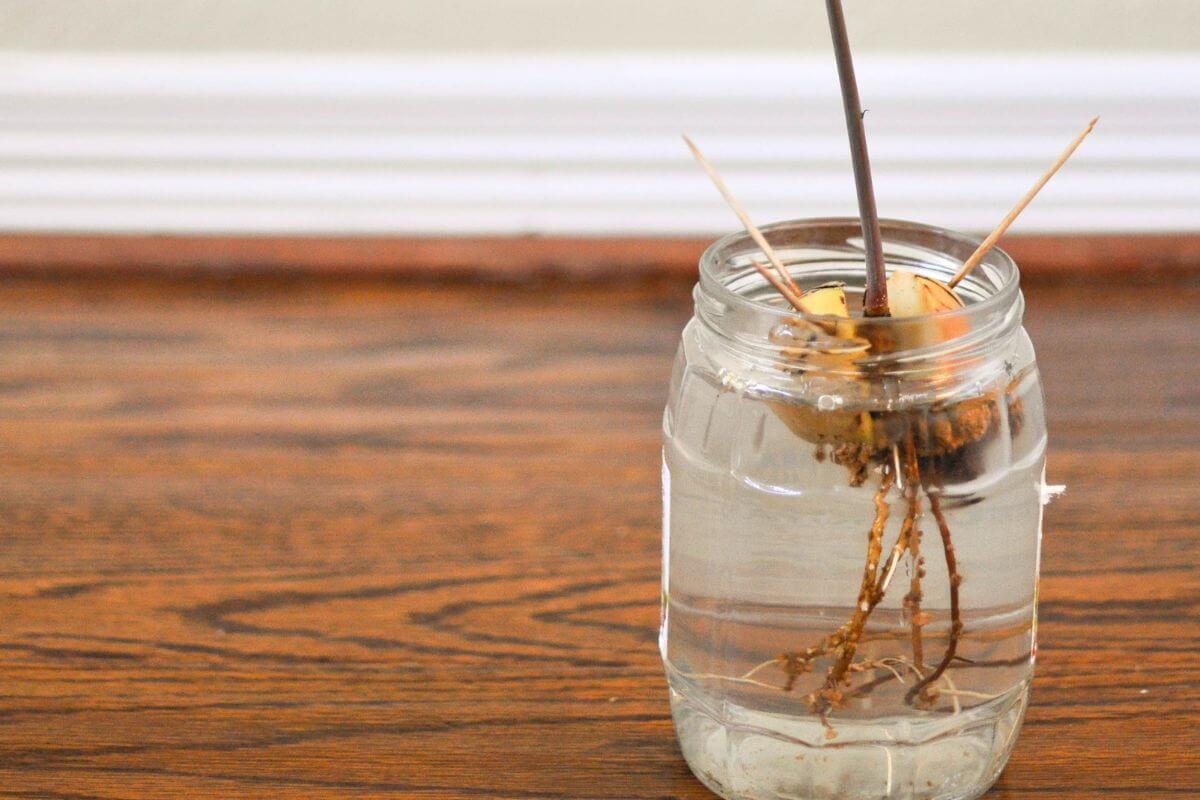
(726, 274)
(744, 310)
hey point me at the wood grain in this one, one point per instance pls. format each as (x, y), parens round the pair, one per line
(326, 539)
(521, 258)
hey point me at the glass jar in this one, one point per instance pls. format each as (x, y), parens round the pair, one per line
(851, 531)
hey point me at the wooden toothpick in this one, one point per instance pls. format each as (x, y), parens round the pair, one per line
(995, 235)
(781, 287)
(750, 227)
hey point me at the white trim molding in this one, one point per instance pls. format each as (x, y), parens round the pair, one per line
(565, 144)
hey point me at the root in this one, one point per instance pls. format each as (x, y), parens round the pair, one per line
(882, 663)
(912, 601)
(875, 582)
(956, 626)
(830, 695)
(909, 540)
(952, 692)
(909, 533)
(796, 664)
(712, 676)
(755, 670)
(864, 689)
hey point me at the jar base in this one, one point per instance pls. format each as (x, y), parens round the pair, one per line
(742, 754)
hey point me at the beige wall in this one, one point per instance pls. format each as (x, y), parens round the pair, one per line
(399, 26)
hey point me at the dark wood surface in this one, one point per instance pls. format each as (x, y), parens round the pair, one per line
(315, 539)
(521, 257)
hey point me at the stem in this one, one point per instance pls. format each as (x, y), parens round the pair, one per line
(875, 301)
(956, 625)
(830, 695)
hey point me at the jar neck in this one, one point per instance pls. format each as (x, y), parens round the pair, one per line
(742, 315)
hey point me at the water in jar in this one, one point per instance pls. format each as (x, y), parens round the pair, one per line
(764, 546)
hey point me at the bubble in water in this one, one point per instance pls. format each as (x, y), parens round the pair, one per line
(828, 402)
(783, 333)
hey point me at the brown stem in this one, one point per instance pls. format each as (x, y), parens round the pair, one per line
(830, 694)
(875, 301)
(956, 626)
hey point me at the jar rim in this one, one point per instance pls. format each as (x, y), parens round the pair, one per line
(999, 263)
(728, 298)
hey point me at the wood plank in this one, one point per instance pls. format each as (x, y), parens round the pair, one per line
(320, 538)
(520, 257)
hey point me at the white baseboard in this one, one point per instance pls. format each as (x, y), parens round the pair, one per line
(567, 144)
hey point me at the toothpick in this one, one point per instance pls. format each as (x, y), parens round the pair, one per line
(751, 229)
(1008, 220)
(779, 285)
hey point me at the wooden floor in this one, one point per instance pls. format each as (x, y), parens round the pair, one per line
(322, 539)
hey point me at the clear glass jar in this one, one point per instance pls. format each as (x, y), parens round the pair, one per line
(851, 541)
